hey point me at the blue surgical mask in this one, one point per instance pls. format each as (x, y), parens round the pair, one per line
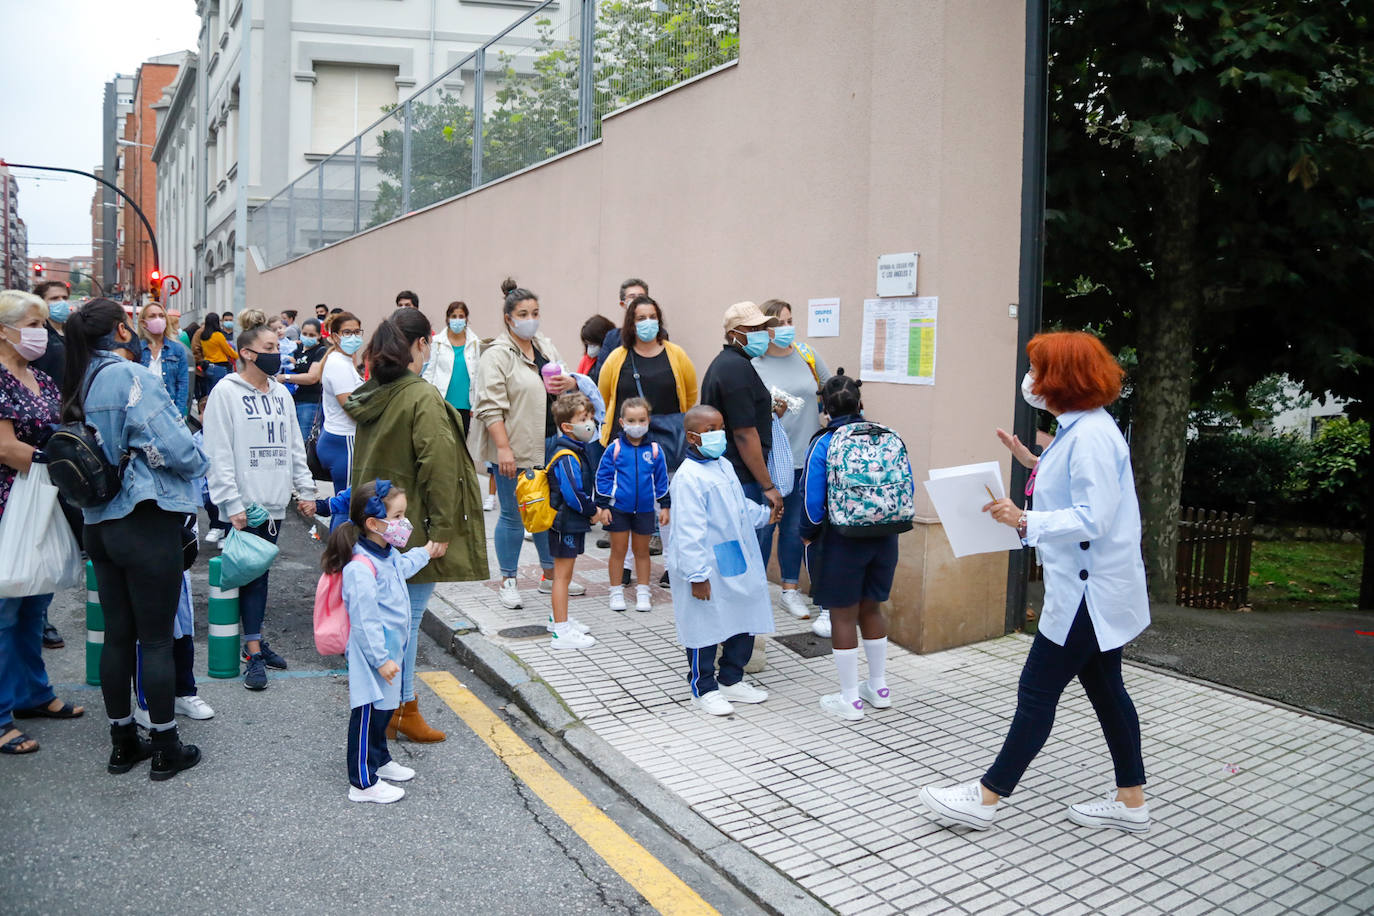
(457, 325)
(784, 335)
(646, 329)
(712, 443)
(351, 344)
(60, 310)
(227, 326)
(594, 350)
(308, 342)
(756, 342)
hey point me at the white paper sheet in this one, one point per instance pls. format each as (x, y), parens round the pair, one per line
(959, 494)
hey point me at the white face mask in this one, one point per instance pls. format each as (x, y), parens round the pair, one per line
(1029, 396)
(636, 430)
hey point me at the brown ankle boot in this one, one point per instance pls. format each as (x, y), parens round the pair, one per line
(391, 725)
(410, 724)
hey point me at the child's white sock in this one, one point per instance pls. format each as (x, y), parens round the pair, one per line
(618, 590)
(561, 629)
(876, 652)
(847, 664)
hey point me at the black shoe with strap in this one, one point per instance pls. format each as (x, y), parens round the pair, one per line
(170, 756)
(128, 748)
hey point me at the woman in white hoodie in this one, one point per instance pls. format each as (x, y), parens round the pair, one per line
(257, 456)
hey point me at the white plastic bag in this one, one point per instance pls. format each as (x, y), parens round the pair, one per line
(38, 554)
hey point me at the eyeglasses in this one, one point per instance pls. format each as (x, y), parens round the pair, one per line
(350, 333)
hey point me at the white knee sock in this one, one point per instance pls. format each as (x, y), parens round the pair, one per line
(847, 664)
(876, 652)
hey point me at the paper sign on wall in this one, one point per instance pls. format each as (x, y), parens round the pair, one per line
(897, 274)
(823, 318)
(899, 341)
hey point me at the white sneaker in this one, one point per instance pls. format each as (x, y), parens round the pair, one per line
(573, 622)
(644, 600)
(822, 625)
(510, 595)
(529, 535)
(713, 704)
(575, 588)
(383, 793)
(878, 699)
(489, 504)
(617, 598)
(960, 805)
(395, 772)
(1111, 813)
(742, 693)
(193, 708)
(571, 639)
(834, 704)
(214, 536)
(141, 717)
(794, 604)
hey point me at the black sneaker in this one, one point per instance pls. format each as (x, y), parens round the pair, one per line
(655, 546)
(663, 581)
(272, 659)
(255, 675)
(51, 638)
(625, 577)
(604, 542)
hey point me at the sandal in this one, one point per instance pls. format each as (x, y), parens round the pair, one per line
(14, 745)
(65, 711)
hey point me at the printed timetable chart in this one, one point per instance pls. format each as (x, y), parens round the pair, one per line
(899, 340)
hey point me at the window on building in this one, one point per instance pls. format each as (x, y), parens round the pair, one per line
(348, 98)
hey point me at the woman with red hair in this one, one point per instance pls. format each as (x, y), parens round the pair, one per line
(1086, 526)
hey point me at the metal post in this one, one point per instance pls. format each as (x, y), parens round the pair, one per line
(290, 221)
(266, 211)
(357, 184)
(586, 86)
(478, 89)
(405, 159)
(319, 239)
(95, 627)
(222, 644)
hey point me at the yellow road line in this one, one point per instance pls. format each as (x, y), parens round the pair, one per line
(664, 890)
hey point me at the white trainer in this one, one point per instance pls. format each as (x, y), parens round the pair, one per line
(529, 535)
(713, 704)
(141, 717)
(214, 536)
(571, 639)
(489, 504)
(617, 597)
(878, 699)
(1111, 813)
(644, 600)
(573, 622)
(960, 805)
(383, 793)
(821, 626)
(510, 595)
(794, 604)
(575, 588)
(743, 693)
(394, 772)
(193, 707)
(834, 704)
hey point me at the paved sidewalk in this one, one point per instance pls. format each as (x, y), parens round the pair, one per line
(1257, 809)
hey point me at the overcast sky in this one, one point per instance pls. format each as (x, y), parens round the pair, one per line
(58, 55)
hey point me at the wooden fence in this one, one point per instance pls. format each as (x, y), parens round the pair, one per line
(1213, 558)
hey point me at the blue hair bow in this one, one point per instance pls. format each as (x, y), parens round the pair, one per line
(375, 507)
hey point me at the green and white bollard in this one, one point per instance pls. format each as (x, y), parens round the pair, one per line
(222, 645)
(95, 627)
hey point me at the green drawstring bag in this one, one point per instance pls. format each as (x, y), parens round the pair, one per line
(246, 556)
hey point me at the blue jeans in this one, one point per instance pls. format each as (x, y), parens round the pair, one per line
(789, 535)
(510, 531)
(753, 491)
(214, 374)
(253, 596)
(305, 417)
(23, 677)
(336, 454)
(420, 593)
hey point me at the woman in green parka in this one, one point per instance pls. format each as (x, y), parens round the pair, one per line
(408, 434)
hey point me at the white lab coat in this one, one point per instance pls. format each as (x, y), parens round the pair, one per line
(1086, 527)
(713, 538)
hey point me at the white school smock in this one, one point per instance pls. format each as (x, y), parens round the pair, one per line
(378, 621)
(1086, 526)
(713, 539)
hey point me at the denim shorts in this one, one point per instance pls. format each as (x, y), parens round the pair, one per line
(566, 546)
(633, 522)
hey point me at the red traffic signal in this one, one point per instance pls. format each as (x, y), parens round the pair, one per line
(155, 284)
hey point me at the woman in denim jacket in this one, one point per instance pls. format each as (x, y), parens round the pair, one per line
(164, 354)
(134, 540)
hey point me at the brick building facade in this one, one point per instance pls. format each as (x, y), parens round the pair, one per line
(139, 174)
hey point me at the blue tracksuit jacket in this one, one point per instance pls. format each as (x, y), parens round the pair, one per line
(631, 478)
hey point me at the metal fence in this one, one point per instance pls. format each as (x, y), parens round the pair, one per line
(516, 101)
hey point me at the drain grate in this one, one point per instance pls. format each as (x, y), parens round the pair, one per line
(807, 645)
(524, 632)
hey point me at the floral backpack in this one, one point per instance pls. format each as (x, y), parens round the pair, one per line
(869, 487)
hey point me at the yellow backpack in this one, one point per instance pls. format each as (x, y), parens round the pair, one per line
(537, 512)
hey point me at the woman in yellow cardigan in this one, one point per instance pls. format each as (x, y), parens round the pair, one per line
(648, 365)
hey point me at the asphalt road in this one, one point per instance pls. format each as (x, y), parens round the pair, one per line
(263, 823)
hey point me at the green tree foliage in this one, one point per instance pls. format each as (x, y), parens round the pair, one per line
(1338, 473)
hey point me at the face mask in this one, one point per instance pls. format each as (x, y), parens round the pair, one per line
(351, 345)
(784, 335)
(525, 328)
(637, 431)
(457, 325)
(712, 443)
(288, 346)
(60, 310)
(584, 431)
(33, 343)
(594, 351)
(308, 342)
(1029, 396)
(647, 329)
(156, 326)
(134, 346)
(756, 342)
(270, 363)
(397, 532)
(228, 326)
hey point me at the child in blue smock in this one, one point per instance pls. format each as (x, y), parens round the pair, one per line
(366, 550)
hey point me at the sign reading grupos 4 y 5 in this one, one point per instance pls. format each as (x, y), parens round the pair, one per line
(897, 274)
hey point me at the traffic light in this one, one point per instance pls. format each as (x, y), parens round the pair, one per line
(155, 285)
(38, 270)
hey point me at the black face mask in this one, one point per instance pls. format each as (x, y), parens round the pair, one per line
(134, 346)
(270, 363)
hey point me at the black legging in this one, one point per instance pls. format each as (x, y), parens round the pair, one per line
(137, 562)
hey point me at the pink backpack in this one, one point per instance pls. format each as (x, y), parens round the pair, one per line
(331, 617)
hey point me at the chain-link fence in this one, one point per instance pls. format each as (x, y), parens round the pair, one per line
(518, 100)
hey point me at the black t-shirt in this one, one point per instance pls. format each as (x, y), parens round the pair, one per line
(305, 360)
(540, 361)
(732, 386)
(53, 362)
(655, 377)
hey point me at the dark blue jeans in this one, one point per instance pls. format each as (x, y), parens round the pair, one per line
(23, 677)
(789, 535)
(765, 534)
(1049, 669)
(253, 596)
